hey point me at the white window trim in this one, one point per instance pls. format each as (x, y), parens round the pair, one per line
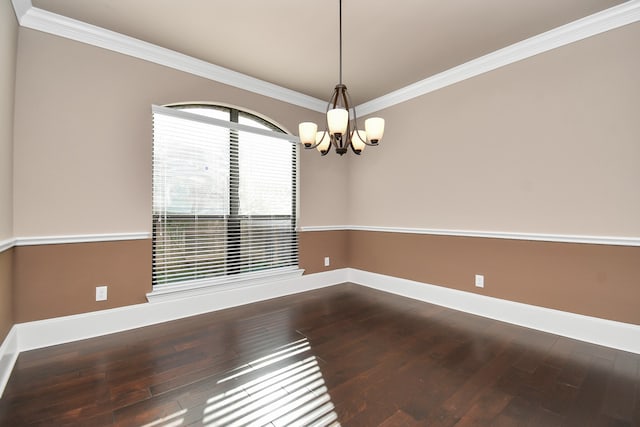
(175, 112)
(193, 288)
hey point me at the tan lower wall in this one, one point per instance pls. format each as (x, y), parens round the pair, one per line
(6, 293)
(59, 280)
(315, 245)
(594, 280)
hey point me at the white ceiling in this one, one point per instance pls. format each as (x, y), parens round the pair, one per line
(294, 43)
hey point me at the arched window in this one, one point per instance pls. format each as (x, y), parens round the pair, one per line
(224, 197)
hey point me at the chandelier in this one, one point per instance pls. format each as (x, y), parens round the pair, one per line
(341, 129)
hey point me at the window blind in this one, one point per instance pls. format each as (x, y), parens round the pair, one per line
(224, 198)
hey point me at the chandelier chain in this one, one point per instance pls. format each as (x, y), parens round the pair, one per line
(340, 41)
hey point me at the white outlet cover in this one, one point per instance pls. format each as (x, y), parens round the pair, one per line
(327, 261)
(479, 281)
(101, 293)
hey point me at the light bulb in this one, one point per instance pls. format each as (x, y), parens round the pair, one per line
(337, 120)
(358, 137)
(374, 127)
(323, 140)
(307, 133)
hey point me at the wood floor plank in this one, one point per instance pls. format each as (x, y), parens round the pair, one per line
(588, 403)
(399, 419)
(478, 389)
(344, 355)
(620, 397)
(485, 408)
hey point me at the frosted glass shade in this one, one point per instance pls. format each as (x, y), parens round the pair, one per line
(307, 133)
(337, 120)
(358, 139)
(374, 127)
(323, 139)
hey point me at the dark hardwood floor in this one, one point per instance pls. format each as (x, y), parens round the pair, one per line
(344, 355)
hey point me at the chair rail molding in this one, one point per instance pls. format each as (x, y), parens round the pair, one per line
(536, 237)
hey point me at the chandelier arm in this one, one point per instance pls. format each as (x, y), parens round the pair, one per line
(313, 145)
(358, 135)
(352, 125)
(324, 153)
(355, 123)
(346, 137)
(338, 100)
(348, 103)
(320, 142)
(357, 152)
(333, 101)
(346, 99)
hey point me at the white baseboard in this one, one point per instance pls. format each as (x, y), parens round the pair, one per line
(44, 333)
(8, 354)
(60, 330)
(622, 336)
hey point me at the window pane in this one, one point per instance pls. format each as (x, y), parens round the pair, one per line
(186, 249)
(268, 243)
(266, 175)
(256, 122)
(223, 200)
(191, 167)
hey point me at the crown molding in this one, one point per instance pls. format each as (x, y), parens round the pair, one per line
(48, 22)
(21, 7)
(41, 20)
(591, 25)
(536, 237)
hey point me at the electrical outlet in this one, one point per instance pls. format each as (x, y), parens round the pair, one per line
(327, 261)
(101, 293)
(479, 281)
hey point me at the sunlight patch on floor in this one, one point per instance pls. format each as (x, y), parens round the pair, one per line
(289, 350)
(294, 395)
(169, 421)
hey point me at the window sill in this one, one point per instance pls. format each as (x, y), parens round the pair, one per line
(209, 286)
